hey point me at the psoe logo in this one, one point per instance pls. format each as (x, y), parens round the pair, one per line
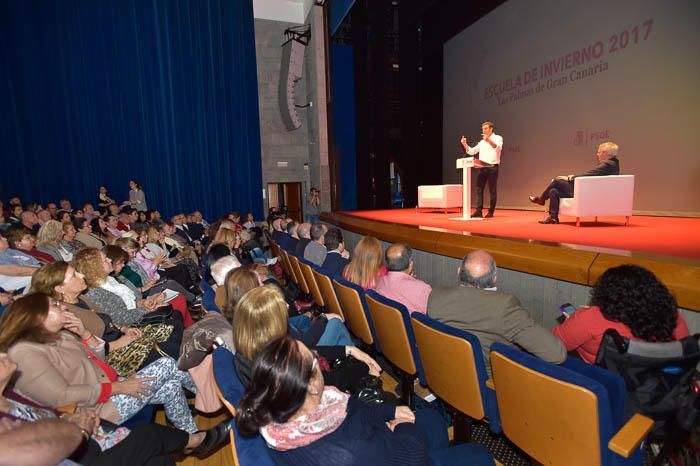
(579, 138)
(597, 136)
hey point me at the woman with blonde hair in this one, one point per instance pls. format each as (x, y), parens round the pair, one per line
(48, 240)
(227, 237)
(260, 316)
(366, 266)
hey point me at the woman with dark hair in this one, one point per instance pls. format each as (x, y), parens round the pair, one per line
(57, 369)
(629, 299)
(84, 234)
(103, 199)
(303, 421)
(137, 198)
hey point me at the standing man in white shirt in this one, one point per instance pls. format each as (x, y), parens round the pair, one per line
(489, 150)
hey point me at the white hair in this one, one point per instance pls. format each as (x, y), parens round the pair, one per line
(222, 267)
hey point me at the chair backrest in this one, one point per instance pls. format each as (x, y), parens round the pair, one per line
(286, 265)
(657, 376)
(301, 281)
(392, 325)
(454, 366)
(307, 271)
(330, 299)
(357, 318)
(247, 451)
(555, 414)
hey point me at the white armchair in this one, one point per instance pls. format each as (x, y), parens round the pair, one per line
(598, 196)
(444, 196)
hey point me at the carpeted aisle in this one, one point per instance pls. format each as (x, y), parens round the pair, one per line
(668, 236)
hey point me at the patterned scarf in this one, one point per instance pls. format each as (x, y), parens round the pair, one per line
(325, 419)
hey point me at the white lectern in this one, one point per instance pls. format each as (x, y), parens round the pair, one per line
(466, 164)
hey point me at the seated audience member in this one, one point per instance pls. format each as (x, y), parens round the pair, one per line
(16, 267)
(181, 228)
(66, 205)
(219, 271)
(337, 258)
(68, 240)
(30, 221)
(104, 200)
(49, 240)
(89, 211)
(126, 219)
(15, 217)
(305, 421)
(64, 216)
(43, 216)
(277, 232)
(260, 314)
(400, 283)
(196, 229)
(53, 210)
(108, 294)
(99, 231)
(61, 282)
(249, 223)
(56, 369)
(23, 240)
(315, 252)
(563, 186)
(629, 299)
(154, 218)
(113, 226)
(293, 240)
(84, 235)
(304, 233)
(366, 266)
(475, 306)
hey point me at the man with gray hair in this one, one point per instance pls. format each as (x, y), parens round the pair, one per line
(304, 233)
(476, 306)
(563, 186)
(222, 267)
(315, 252)
(400, 283)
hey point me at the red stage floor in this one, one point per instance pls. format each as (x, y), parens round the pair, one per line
(668, 236)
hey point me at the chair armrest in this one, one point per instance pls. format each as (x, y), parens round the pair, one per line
(68, 409)
(490, 384)
(627, 439)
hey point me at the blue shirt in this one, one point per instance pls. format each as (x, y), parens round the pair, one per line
(14, 257)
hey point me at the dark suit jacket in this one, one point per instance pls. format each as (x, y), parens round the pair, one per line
(196, 231)
(301, 245)
(493, 316)
(183, 234)
(610, 166)
(334, 264)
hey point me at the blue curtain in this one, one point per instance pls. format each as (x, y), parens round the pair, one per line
(100, 91)
(343, 79)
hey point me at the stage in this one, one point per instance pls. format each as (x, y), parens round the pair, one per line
(664, 236)
(669, 246)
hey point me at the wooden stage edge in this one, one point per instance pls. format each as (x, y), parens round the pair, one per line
(552, 260)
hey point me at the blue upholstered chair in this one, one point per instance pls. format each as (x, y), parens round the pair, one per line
(568, 414)
(357, 317)
(208, 297)
(247, 451)
(307, 271)
(455, 371)
(392, 325)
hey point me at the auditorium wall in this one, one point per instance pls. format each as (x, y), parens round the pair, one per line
(560, 77)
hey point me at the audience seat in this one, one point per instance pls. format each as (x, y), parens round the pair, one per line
(357, 318)
(247, 451)
(392, 325)
(598, 196)
(301, 281)
(330, 298)
(456, 373)
(570, 414)
(208, 297)
(310, 279)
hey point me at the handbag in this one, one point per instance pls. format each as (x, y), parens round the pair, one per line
(162, 316)
(128, 359)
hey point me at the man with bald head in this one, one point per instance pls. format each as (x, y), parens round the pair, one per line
(476, 306)
(400, 283)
